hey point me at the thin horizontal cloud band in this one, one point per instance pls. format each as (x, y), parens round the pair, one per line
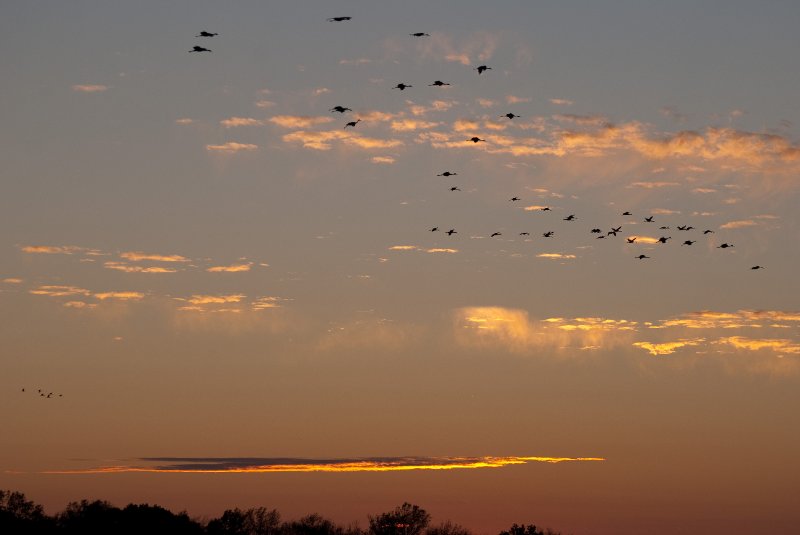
(284, 464)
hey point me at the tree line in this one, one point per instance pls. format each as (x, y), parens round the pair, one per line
(20, 516)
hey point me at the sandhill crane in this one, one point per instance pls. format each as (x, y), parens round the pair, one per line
(548, 234)
(451, 232)
(626, 213)
(648, 219)
(339, 19)
(402, 86)
(482, 68)
(662, 239)
(447, 173)
(641, 257)
(614, 231)
(196, 48)
(725, 246)
(546, 209)
(757, 267)
(510, 115)
(570, 217)
(434, 229)
(688, 242)
(475, 139)
(352, 124)
(495, 234)
(524, 233)
(595, 231)
(340, 109)
(419, 34)
(512, 199)
(708, 231)
(438, 83)
(455, 188)
(631, 240)
(206, 34)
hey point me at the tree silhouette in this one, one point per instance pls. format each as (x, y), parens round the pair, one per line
(21, 516)
(407, 519)
(448, 528)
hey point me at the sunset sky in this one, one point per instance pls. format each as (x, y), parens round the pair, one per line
(237, 302)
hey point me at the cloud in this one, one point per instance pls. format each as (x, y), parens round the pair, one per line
(232, 147)
(50, 249)
(235, 268)
(556, 256)
(464, 125)
(126, 268)
(59, 291)
(441, 250)
(90, 88)
(511, 99)
(122, 296)
(138, 256)
(215, 299)
(264, 303)
(403, 248)
(359, 61)
(323, 140)
(583, 120)
(299, 121)
(184, 120)
(383, 159)
(233, 122)
(321, 90)
(739, 224)
(653, 185)
(486, 103)
(287, 464)
(667, 348)
(265, 104)
(12, 280)
(561, 102)
(80, 304)
(776, 345)
(406, 125)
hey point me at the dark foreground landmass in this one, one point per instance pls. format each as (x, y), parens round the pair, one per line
(20, 516)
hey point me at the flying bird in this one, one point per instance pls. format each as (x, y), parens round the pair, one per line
(626, 213)
(454, 188)
(663, 228)
(438, 83)
(206, 34)
(648, 219)
(595, 231)
(754, 267)
(339, 19)
(548, 234)
(510, 115)
(451, 232)
(196, 48)
(352, 124)
(419, 34)
(724, 246)
(641, 257)
(475, 139)
(434, 229)
(482, 68)
(546, 209)
(614, 231)
(447, 173)
(514, 199)
(495, 234)
(662, 239)
(688, 242)
(631, 240)
(708, 232)
(524, 233)
(340, 109)
(402, 86)
(570, 217)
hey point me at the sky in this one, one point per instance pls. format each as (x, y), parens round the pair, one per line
(216, 294)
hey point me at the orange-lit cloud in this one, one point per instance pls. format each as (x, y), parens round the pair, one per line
(122, 296)
(667, 348)
(403, 248)
(739, 224)
(90, 88)
(235, 268)
(777, 345)
(511, 99)
(59, 291)
(232, 147)
(441, 250)
(265, 104)
(284, 465)
(12, 280)
(215, 299)
(556, 256)
(126, 268)
(407, 125)
(184, 120)
(561, 102)
(138, 256)
(233, 122)
(80, 305)
(323, 140)
(653, 185)
(383, 160)
(295, 121)
(50, 249)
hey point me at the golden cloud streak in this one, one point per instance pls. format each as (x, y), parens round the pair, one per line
(667, 348)
(137, 256)
(247, 466)
(233, 122)
(236, 268)
(50, 249)
(89, 88)
(294, 121)
(232, 147)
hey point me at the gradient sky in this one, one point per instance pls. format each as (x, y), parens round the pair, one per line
(211, 270)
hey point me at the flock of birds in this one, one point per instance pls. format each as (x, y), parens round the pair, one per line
(46, 395)
(402, 86)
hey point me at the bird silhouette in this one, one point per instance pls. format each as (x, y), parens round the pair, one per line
(340, 109)
(401, 86)
(438, 83)
(451, 232)
(641, 257)
(626, 213)
(708, 232)
(514, 199)
(663, 228)
(548, 234)
(196, 48)
(524, 233)
(510, 115)
(482, 68)
(757, 267)
(614, 231)
(662, 239)
(447, 173)
(595, 231)
(352, 124)
(648, 219)
(419, 34)
(725, 246)
(339, 19)
(206, 34)
(495, 234)
(434, 229)
(475, 139)
(631, 240)
(688, 242)
(570, 217)
(546, 209)
(455, 188)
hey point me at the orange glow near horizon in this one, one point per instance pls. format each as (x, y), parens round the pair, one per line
(398, 465)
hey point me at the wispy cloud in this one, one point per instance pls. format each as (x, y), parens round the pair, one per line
(556, 256)
(90, 88)
(51, 249)
(667, 348)
(120, 295)
(299, 121)
(138, 256)
(127, 268)
(234, 268)
(561, 102)
(60, 291)
(232, 147)
(233, 122)
(383, 160)
(215, 299)
(284, 464)
(742, 223)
